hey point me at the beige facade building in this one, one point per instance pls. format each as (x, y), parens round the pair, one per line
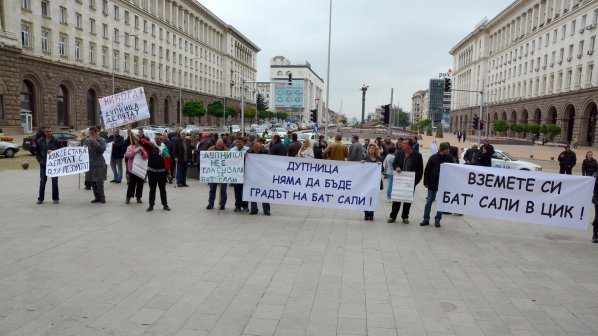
(536, 64)
(58, 56)
(419, 106)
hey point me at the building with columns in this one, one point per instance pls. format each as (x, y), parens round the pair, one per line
(58, 56)
(536, 64)
(300, 97)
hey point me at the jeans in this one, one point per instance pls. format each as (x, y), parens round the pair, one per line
(117, 169)
(212, 197)
(429, 200)
(389, 188)
(238, 187)
(181, 172)
(159, 180)
(265, 206)
(42, 184)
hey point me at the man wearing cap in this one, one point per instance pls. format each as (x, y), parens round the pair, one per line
(567, 160)
(431, 179)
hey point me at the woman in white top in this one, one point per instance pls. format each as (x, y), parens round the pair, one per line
(306, 150)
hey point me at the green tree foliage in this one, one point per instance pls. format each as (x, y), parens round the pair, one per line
(193, 108)
(250, 112)
(283, 115)
(500, 126)
(429, 130)
(534, 128)
(439, 133)
(552, 130)
(424, 124)
(403, 119)
(263, 114)
(216, 109)
(232, 112)
(261, 103)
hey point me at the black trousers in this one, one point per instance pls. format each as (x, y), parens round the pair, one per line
(565, 170)
(135, 186)
(396, 206)
(159, 180)
(595, 223)
(239, 197)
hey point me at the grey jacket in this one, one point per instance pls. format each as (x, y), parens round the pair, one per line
(97, 165)
(355, 152)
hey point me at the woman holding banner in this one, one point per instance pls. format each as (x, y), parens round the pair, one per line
(136, 162)
(306, 151)
(373, 155)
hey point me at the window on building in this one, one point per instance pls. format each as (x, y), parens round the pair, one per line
(105, 31)
(153, 49)
(584, 19)
(562, 55)
(26, 4)
(104, 7)
(592, 44)
(136, 42)
(45, 43)
(78, 21)
(115, 59)
(573, 27)
(136, 21)
(589, 73)
(144, 68)
(45, 8)
(554, 33)
(153, 29)
(136, 65)
(62, 45)
(547, 39)
(580, 49)
(2, 107)
(92, 26)
(116, 13)
(92, 50)
(569, 78)
(78, 49)
(26, 35)
(570, 53)
(104, 56)
(578, 75)
(563, 32)
(127, 39)
(145, 46)
(145, 26)
(63, 17)
(126, 17)
(126, 63)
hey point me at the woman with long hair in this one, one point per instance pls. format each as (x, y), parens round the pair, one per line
(373, 155)
(589, 165)
(306, 150)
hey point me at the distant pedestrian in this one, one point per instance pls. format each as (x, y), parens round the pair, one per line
(373, 156)
(389, 171)
(406, 160)
(158, 170)
(415, 144)
(433, 148)
(459, 135)
(219, 146)
(576, 141)
(44, 145)
(240, 205)
(567, 160)
(97, 165)
(337, 151)
(464, 136)
(355, 150)
(258, 149)
(136, 179)
(431, 180)
(117, 155)
(589, 165)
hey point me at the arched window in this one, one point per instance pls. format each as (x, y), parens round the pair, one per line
(92, 111)
(28, 100)
(166, 113)
(279, 74)
(62, 106)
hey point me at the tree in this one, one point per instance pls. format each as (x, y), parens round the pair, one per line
(429, 130)
(552, 130)
(261, 103)
(439, 133)
(500, 126)
(193, 108)
(534, 128)
(216, 109)
(282, 115)
(403, 119)
(263, 114)
(232, 112)
(423, 124)
(518, 128)
(250, 112)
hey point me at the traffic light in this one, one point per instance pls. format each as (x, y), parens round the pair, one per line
(313, 115)
(290, 78)
(482, 124)
(386, 113)
(475, 122)
(447, 84)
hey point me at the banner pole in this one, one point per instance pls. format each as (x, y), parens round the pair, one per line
(218, 193)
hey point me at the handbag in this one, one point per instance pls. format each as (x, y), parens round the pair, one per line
(139, 166)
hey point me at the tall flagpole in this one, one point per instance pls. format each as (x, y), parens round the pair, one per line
(328, 73)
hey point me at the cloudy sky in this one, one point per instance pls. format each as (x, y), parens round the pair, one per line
(385, 44)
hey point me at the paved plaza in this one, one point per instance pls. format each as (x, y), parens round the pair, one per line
(84, 269)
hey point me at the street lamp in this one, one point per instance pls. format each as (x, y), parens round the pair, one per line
(114, 56)
(364, 88)
(317, 108)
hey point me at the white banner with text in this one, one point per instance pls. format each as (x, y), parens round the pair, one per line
(403, 186)
(124, 108)
(516, 195)
(221, 167)
(312, 182)
(67, 161)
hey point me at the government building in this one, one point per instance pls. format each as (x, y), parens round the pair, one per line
(58, 56)
(536, 64)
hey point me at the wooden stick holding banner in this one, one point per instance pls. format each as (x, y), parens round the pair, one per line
(76, 143)
(218, 193)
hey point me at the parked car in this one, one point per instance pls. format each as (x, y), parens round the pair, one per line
(235, 128)
(62, 137)
(8, 149)
(502, 159)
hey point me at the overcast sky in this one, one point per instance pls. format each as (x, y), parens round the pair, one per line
(385, 44)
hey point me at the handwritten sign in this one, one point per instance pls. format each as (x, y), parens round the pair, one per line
(221, 167)
(67, 161)
(312, 182)
(516, 195)
(124, 108)
(403, 186)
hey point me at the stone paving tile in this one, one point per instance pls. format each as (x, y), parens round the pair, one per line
(80, 269)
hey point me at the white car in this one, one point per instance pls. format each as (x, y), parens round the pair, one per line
(235, 128)
(8, 149)
(502, 159)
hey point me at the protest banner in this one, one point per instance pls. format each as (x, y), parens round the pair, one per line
(403, 187)
(67, 161)
(221, 167)
(516, 195)
(124, 108)
(108, 153)
(312, 182)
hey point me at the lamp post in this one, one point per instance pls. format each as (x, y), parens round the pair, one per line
(364, 88)
(114, 57)
(317, 108)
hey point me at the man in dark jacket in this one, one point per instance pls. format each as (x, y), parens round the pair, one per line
(116, 158)
(97, 164)
(277, 147)
(182, 157)
(294, 146)
(410, 161)
(431, 179)
(454, 152)
(44, 145)
(356, 152)
(319, 147)
(567, 160)
(158, 170)
(472, 155)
